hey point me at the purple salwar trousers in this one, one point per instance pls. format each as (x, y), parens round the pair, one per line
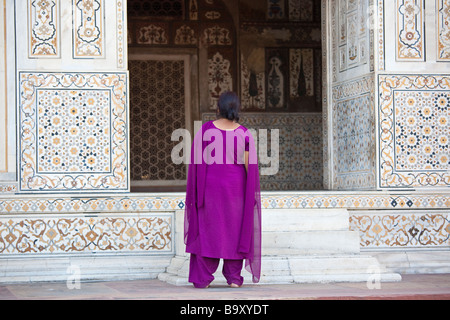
(201, 270)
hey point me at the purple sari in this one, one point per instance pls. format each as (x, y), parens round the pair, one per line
(223, 202)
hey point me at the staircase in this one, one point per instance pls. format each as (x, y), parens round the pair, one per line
(298, 246)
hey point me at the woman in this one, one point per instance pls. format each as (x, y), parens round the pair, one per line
(223, 203)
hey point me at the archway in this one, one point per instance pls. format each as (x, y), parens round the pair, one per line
(271, 55)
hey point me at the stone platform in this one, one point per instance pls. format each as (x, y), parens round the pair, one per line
(298, 246)
(307, 236)
(412, 287)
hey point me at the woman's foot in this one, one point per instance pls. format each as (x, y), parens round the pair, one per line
(199, 286)
(234, 285)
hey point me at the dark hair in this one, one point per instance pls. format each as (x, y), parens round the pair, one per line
(229, 106)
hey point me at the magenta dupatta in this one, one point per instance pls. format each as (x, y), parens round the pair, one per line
(250, 233)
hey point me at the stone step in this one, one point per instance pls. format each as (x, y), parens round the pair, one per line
(106, 267)
(304, 219)
(415, 261)
(298, 269)
(310, 242)
(333, 264)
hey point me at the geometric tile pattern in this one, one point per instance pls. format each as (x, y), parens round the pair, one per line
(414, 129)
(300, 148)
(105, 205)
(8, 187)
(46, 204)
(354, 154)
(84, 114)
(36, 224)
(353, 135)
(428, 111)
(353, 200)
(73, 132)
(78, 234)
(402, 230)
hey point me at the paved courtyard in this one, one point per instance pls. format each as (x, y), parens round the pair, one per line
(428, 286)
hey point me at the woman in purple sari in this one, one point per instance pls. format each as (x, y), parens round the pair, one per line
(223, 202)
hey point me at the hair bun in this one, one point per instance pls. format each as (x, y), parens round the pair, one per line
(229, 106)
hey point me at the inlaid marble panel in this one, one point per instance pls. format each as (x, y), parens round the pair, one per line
(413, 229)
(422, 130)
(351, 34)
(8, 187)
(73, 132)
(410, 30)
(73, 126)
(137, 202)
(149, 233)
(353, 135)
(301, 73)
(121, 33)
(220, 78)
(152, 33)
(43, 19)
(443, 30)
(88, 33)
(414, 115)
(144, 223)
(217, 35)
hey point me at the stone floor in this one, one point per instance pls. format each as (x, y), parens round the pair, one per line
(412, 287)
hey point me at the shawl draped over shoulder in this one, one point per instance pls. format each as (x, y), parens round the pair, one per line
(249, 244)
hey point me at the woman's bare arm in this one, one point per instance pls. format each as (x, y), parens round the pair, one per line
(246, 161)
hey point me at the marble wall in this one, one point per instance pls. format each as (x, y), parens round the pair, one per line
(350, 140)
(413, 102)
(144, 222)
(73, 132)
(3, 102)
(7, 110)
(414, 130)
(391, 96)
(144, 233)
(72, 99)
(353, 140)
(386, 124)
